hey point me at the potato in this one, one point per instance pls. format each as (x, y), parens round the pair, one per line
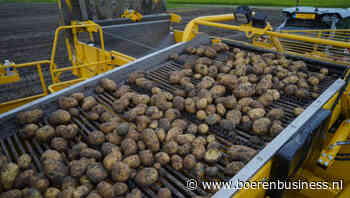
(96, 172)
(29, 130)
(232, 168)
(235, 116)
(198, 151)
(8, 175)
(190, 105)
(230, 102)
(276, 128)
(93, 116)
(261, 125)
(51, 192)
(15, 193)
(108, 127)
(244, 90)
(218, 91)
(176, 76)
(55, 171)
(189, 162)
(67, 102)
(45, 133)
(275, 114)
(60, 117)
(146, 157)
(120, 172)
(176, 162)
(42, 184)
(220, 108)
(28, 117)
(185, 138)
(266, 99)
(201, 115)
(74, 112)
(135, 75)
(324, 71)
(212, 155)
(122, 129)
(162, 158)
(257, 113)
(147, 176)
(211, 171)
(90, 153)
(133, 161)
(108, 84)
(106, 189)
(210, 52)
(151, 140)
(128, 146)
(114, 138)
(203, 128)
(24, 161)
(313, 81)
(199, 170)
(241, 152)
(170, 147)
(111, 159)
(302, 93)
(135, 193)
(303, 84)
(190, 50)
(182, 124)
(184, 149)
(59, 144)
(204, 61)
(122, 90)
(52, 154)
(78, 167)
(164, 193)
(96, 138)
(173, 132)
(298, 111)
(88, 103)
(23, 179)
(93, 194)
(32, 193)
(67, 131)
(99, 90)
(192, 128)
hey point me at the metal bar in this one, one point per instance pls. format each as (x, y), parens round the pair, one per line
(42, 80)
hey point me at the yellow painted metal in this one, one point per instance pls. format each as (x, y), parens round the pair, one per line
(6, 106)
(62, 85)
(178, 36)
(132, 15)
(261, 176)
(332, 149)
(174, 18)
(305, 16)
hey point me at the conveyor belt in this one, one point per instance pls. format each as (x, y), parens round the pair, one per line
(12, 145)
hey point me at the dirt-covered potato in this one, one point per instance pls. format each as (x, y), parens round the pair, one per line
(42, 184)
(218, 91)
(29, 130)
(55, 171)
(31, 193)
(93, 194)
(190, 105)
(88, 103)
(96, 172)
(151, 140)
(275, 114)
(173, 132)
(105, 189)
(120, 172)
(133, 161)
(8, 175)
(59, 144)
(189, 162)
(324, 71)
(78, 167)
(146, 157)
(164, 193)
(24, 161)
(204, 61)
(120, 188)
(15, 193)
(235, 116)
(60, 117)
(241, 152)
(111, 159)
(67, 102)
(27, 117)
(244, 90)
(298, 110)
(210, 52)
(128, 146)
(162, 158)
(108, 84)
(93, 116)
(201, 115)
(170, 147)
(313, 81)
(147, 176)
(198, 151)
(67, 131)
(232, 168)
(276, 128)
(135, 193)
(52, 192)
(176, 162)
(184, 149)
(257, 113)
(52, 154)
(90, 153)
(176, 76)
(203, 128)
(212, 155)
(45, 133)
(266, 99)
(302, 93)
(261, 125)
(96, 138)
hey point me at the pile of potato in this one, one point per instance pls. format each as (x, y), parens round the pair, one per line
(142, 135)
(239, 90)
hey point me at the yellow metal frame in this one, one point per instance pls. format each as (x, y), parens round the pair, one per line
(6, 79)
(6, 106)
(132, 15)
